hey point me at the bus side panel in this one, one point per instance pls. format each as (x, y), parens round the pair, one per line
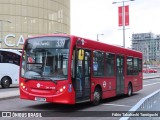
(110, 88)
(10, 70)
(23, 94)
(140, 82)
(128, 79)
(107, 85)
(136, 83)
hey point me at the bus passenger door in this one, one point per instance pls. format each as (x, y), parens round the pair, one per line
(83, 78)
(119, 75)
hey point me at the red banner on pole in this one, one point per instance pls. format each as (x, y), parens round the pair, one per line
(126, 15)
(120, 16)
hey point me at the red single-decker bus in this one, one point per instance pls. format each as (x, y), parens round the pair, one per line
(67, 69)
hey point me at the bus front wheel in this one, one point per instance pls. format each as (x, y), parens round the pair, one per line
(5, 82)
(97, 96)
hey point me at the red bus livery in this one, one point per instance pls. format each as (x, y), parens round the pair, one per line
(68, 69)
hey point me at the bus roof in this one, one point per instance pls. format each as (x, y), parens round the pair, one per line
(95, 44)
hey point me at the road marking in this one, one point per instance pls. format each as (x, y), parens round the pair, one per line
(9, 93)
(117, 105)
(150, 84)
(147, 81)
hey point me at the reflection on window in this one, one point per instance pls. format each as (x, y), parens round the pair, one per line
(98, 63)
(132, 66)
(87, 63)
(135, 70)
(140, 65)
(129, 66)
(73, 65)
(43, 63)
(110, 60)
(9, 57)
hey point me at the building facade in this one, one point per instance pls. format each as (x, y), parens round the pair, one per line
(20, 19)
(148, 44)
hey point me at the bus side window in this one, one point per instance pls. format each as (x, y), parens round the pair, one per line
(6, 59)
(79, 71)
(1, 57)
(129, 66)
(98, 64)
(110, 64)
(140, 65)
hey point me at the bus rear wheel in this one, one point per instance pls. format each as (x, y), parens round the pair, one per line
(5, 83)
(130, 90)
(97, 96)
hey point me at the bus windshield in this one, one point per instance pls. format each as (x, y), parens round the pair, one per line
(46, 58)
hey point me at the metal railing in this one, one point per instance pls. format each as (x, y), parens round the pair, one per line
(149, 105)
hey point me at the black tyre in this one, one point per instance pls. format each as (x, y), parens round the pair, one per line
(97, 96)
(5, 83)
(130, 90)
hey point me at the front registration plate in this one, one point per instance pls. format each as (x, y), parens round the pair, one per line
(40, 99)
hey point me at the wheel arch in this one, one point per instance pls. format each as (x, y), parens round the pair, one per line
(98, 86)
(129, 91)
(130, 83)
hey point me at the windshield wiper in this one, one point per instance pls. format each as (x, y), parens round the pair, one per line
(41, 78)
(53, 80)
(27, 79)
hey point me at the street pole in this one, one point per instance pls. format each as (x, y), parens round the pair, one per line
(123, 18)
(123, 22)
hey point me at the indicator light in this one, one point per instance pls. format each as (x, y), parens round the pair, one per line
(22, 84)
(61, 90)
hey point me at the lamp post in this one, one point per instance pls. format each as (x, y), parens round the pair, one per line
(123, 19)
(1, 21)
(98, 35)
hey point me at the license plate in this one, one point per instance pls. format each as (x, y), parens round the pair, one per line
(40, 99)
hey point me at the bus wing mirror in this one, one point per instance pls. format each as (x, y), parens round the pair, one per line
(80, 54)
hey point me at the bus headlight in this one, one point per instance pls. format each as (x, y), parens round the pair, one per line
(64, 87)
(61, 89)
(23, 86)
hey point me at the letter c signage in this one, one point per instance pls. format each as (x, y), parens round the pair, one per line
(5, 40)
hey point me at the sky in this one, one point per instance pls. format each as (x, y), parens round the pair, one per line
(92, 17)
